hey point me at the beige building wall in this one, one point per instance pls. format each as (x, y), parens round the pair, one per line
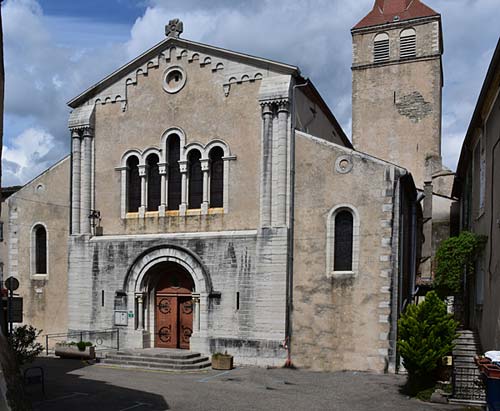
(203, 111)
(396, 104)
(44, 200)
(342, 321)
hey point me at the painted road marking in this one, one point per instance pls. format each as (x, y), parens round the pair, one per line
(137, 405)
(213, 376)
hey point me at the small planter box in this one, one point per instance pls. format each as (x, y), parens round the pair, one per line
(72, 351)
(222, 362)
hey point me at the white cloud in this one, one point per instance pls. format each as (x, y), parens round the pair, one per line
(51, 59)
(28, 156)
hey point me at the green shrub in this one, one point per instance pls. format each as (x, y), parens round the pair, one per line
(426, 335)
(24, 345)
(83, 344)
(453, 256)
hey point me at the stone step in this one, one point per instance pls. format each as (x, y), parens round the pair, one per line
(465, 365)
(175, 354)
(160, 360)
(158, 366)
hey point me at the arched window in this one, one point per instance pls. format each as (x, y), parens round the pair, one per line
(154, 183)
(174, 174)
(133, 185)
(408, 44)
(216, 177)
(342, 241)
(40, 249)
(195, 180)
(342, 253)
(381, 48)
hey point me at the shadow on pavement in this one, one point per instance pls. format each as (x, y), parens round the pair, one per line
(65, 390)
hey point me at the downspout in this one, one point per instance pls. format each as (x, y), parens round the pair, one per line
(415, 203)
(291, 223)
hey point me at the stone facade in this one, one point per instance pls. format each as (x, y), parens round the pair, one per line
(396, 104)
(44, 201)
(477, 188)
(264, 262)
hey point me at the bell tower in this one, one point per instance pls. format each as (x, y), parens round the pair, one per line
(397, 86)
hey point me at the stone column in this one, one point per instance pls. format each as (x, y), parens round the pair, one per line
(183, 164)
(144, 194)
(86, 179)
(282, 165)
(75, 195)
(163, 167)
(205, 167)
(140, 313)
(196, 314)
(266, 165)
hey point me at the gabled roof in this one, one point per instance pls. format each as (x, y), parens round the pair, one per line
(390, 11)
(188, 44)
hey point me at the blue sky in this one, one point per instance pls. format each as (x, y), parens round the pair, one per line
(55, 49)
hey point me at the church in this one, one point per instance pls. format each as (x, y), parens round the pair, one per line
(212, 202)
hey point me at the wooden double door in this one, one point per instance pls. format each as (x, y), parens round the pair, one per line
(174, 321)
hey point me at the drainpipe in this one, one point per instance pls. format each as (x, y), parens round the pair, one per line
(291, 223)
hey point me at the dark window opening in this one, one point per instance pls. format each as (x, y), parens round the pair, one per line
(154, 183)
(238, 300)
(195, 180)
(134, 185)
(216, 177)
(174, 174)
(40, 250)
(343, 241)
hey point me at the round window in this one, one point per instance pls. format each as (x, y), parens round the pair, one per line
(174, 79)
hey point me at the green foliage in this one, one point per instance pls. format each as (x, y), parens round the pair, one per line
(83, 344)
(453, 256)
(426, 334)
(23, 343)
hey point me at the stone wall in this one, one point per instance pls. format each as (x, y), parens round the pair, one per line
(343, 321)
(44, 200)
(397, 104)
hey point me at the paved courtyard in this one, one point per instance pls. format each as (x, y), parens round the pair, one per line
(73, 385)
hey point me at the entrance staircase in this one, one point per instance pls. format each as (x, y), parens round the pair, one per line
(158, 359)
(467, 384)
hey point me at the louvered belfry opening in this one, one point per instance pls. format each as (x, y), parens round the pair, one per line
(40, 250)
(195, 180)
(216, 178)
(381, 51)
(174, 174)
(343, 241)
(154, 183)
(133, 185)
(408, 44)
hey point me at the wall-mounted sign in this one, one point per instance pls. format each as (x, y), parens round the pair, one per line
(121, 318)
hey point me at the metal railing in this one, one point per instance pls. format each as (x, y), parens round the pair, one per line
(103, 340)
(468, 384)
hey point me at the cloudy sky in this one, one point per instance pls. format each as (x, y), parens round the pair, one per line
(54, 49)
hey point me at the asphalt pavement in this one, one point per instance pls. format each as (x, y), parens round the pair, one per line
(73, 385)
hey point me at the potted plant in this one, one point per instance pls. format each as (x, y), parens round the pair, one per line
(222, 361)
(81, 350)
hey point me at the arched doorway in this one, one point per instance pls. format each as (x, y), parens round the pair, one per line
(173, 301)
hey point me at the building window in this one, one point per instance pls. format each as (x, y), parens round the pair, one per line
(39, 250)
(342, 241)
(195, 180)
(174, 174)
(342, 254)
(408, 44)
(133, 185)
(381, 48)
(216, 177)
(154, 183)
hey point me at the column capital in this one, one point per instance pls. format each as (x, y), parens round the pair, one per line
(205, 164)
(183, 166)
(267, 107)
(75, 133)
(283, 106)
(142, 169)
